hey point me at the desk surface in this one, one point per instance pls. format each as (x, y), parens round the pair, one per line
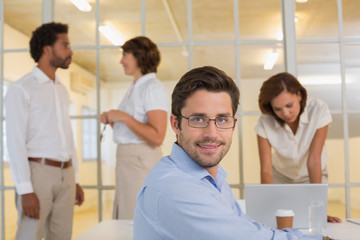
(109, 230)
(343, 231)
(123, 230)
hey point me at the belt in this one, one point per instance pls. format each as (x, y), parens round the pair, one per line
(50, 162)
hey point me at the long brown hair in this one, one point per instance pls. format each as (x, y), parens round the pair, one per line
(275, 85)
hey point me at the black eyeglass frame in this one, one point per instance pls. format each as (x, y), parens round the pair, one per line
(208, 121)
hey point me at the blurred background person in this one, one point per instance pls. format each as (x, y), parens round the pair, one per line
(291, 133)
(43, 159)
(139, 124)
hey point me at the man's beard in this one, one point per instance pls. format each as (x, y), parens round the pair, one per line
(58, 62)
(200, 158)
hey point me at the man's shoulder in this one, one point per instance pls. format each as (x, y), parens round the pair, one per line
(163, 172)
(166, 177)
(26, 84)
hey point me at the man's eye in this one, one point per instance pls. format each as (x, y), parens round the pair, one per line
(222, 120)
(197, 119)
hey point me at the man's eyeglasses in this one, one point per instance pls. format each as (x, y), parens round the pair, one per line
(224, 122)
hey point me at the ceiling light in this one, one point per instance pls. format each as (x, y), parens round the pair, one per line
(301, 1)
(112, 34)
(82, 5)
(270, 60)
(315, 80)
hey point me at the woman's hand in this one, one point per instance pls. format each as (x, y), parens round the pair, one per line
(333, 219)
(116, 116)
(103, 118)
(112, 116)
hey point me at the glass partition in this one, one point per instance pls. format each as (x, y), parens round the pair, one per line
(336, 202)
(355, 206)
(21, 18)
(208, 38)
(251, 164)
(82, 25)
(86, 215)
(260, 20)
(335, 149)
(316, 19)
(222, 57)
(166, 21)
(170, 70)
(213, 27)
(122, 15)
(351, 18)
(354, 153)
(10, 214)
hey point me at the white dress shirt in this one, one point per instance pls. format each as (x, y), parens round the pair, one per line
(145, 95)
(291, 151)
(37, 125)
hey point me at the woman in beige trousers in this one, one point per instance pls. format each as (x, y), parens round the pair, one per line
(139, 123)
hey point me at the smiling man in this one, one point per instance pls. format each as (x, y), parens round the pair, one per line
(185, 196)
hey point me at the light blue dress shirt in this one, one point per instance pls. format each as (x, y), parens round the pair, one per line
(181, 200)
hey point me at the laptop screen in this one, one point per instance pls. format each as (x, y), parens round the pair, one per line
(262, 200)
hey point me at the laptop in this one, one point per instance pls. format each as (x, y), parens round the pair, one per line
(262, 200)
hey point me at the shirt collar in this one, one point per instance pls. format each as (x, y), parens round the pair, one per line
(145, 78)
(41, 77)
(186, 164)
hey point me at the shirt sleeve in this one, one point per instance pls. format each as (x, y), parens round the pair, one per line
(324, 115)
(156, 98)
(189, 211)
(16, 119)
(74, 159)
(259, 128)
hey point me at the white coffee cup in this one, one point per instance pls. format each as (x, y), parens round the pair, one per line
(284, 218)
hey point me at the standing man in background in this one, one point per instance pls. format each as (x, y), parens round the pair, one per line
(43, 160)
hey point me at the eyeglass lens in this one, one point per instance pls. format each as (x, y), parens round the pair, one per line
(202, 122)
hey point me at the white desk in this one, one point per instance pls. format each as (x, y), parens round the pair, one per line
(123, 230)
(109, 230)
(343, 231)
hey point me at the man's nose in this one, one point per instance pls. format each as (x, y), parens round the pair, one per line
(211, 128)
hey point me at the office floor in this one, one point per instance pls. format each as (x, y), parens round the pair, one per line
(85, 218)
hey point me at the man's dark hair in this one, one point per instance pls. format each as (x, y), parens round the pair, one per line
(45, 35)
(145, 52)
(203, 78)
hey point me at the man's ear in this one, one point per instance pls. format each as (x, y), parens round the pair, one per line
(46, 50)
(236, 121)
(174, 124)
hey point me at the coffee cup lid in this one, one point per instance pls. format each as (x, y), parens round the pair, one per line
(284, 212)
